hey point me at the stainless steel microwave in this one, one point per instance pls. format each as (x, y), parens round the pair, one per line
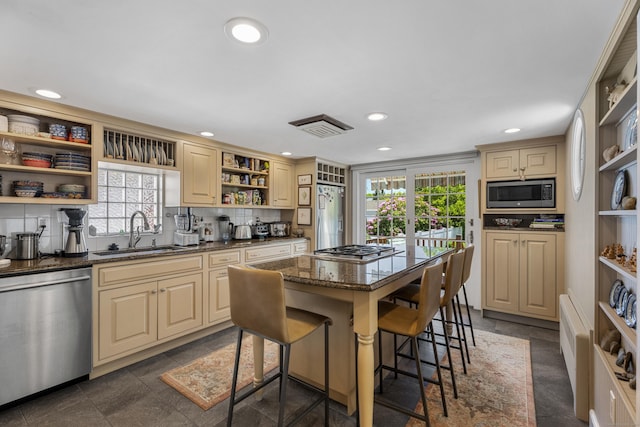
(534, 193)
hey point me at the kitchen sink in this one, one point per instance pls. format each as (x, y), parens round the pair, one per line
(140, 250)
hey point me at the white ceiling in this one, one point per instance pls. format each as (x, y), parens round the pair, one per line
(450, 74)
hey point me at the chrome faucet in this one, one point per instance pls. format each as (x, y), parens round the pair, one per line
(133, 241)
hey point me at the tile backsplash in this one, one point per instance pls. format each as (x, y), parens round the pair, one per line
(18, 218)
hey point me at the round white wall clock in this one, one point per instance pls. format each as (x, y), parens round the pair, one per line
(578, 153)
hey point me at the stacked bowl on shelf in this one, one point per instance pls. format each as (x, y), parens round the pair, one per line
(37, 160)
(72, 191)
(28, 188)
(58, 131)
(24, 125)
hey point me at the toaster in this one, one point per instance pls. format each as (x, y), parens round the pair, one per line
(186, 239)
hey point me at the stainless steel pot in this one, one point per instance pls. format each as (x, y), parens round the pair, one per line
(27, 245)
(242, 232)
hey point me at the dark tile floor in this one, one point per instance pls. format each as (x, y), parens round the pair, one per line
(135, 396)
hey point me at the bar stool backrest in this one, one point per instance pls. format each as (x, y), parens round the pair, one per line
(257, 302)
(466, 268)
(453, 277)
(429, 296)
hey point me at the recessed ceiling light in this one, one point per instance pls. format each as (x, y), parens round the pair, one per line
(375, 117)
(48, 93)
(206, 133)
(286, 153)
(512, 130)
(246, 30)
(384, 148)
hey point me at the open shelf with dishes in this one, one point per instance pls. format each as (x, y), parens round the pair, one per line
(616, 189)
(45, 158)
(244, 180)
(133, 149)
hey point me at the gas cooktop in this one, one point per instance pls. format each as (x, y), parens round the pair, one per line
(356, 253)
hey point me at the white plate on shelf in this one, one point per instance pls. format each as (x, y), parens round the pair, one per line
(614, 293)
(630, 311)
(622, 302)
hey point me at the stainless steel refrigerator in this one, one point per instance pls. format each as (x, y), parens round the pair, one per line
(329, 216)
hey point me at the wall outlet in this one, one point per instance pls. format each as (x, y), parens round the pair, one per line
(43, 220)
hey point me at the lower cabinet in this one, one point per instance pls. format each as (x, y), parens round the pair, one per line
(614, 401)
(151, 305)
(142, 306)
(218, 291)
(523, 274)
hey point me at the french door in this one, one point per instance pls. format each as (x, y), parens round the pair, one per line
(415, 207)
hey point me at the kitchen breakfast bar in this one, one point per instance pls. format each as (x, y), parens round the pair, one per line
(347, 291)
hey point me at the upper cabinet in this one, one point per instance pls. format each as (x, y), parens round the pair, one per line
(524, 160)
(282, 185)
(45, 157)
(521, 164)
(199, 175)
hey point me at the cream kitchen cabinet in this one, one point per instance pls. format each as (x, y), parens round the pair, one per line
(268, 252)
(138, 304)
(218, 287)
(282, 185)
(523, 274)
(521, 163)
(199, 175)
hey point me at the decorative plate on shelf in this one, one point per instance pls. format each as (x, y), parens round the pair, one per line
(619, 189)
(616, 288)
(631, 132)
(621, 304)
(630, 312)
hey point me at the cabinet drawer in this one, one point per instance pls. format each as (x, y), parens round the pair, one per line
(267, 252)
(223, 258)
(300, 247)
(138, 270)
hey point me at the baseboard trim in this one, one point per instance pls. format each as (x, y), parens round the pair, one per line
(540, 323)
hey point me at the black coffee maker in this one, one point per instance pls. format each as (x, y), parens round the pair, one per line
(75, 245)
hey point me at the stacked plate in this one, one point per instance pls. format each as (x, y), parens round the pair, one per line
(72, 161)
(38, 160)
(28, 188)
(72, 191)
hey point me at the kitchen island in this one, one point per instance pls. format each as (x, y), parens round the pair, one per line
(348, 292)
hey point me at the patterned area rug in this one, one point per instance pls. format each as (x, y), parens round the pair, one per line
(207, 381)
(497, 391)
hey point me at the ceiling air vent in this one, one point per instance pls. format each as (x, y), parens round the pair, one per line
(321, 126)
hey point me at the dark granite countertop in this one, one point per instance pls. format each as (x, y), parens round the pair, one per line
(341, 274)
(52, 263)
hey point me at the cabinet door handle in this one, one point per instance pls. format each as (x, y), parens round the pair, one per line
(163, 290)
(515, 242)
(154, 292)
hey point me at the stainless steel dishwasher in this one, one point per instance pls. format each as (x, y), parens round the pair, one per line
(45, 331)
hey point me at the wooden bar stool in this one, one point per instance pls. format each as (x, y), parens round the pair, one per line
(449, 287)
(466, 272)
(257, 302)
(409, 322)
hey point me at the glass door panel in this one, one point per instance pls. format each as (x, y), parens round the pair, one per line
(385, 210)
(440, 208)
